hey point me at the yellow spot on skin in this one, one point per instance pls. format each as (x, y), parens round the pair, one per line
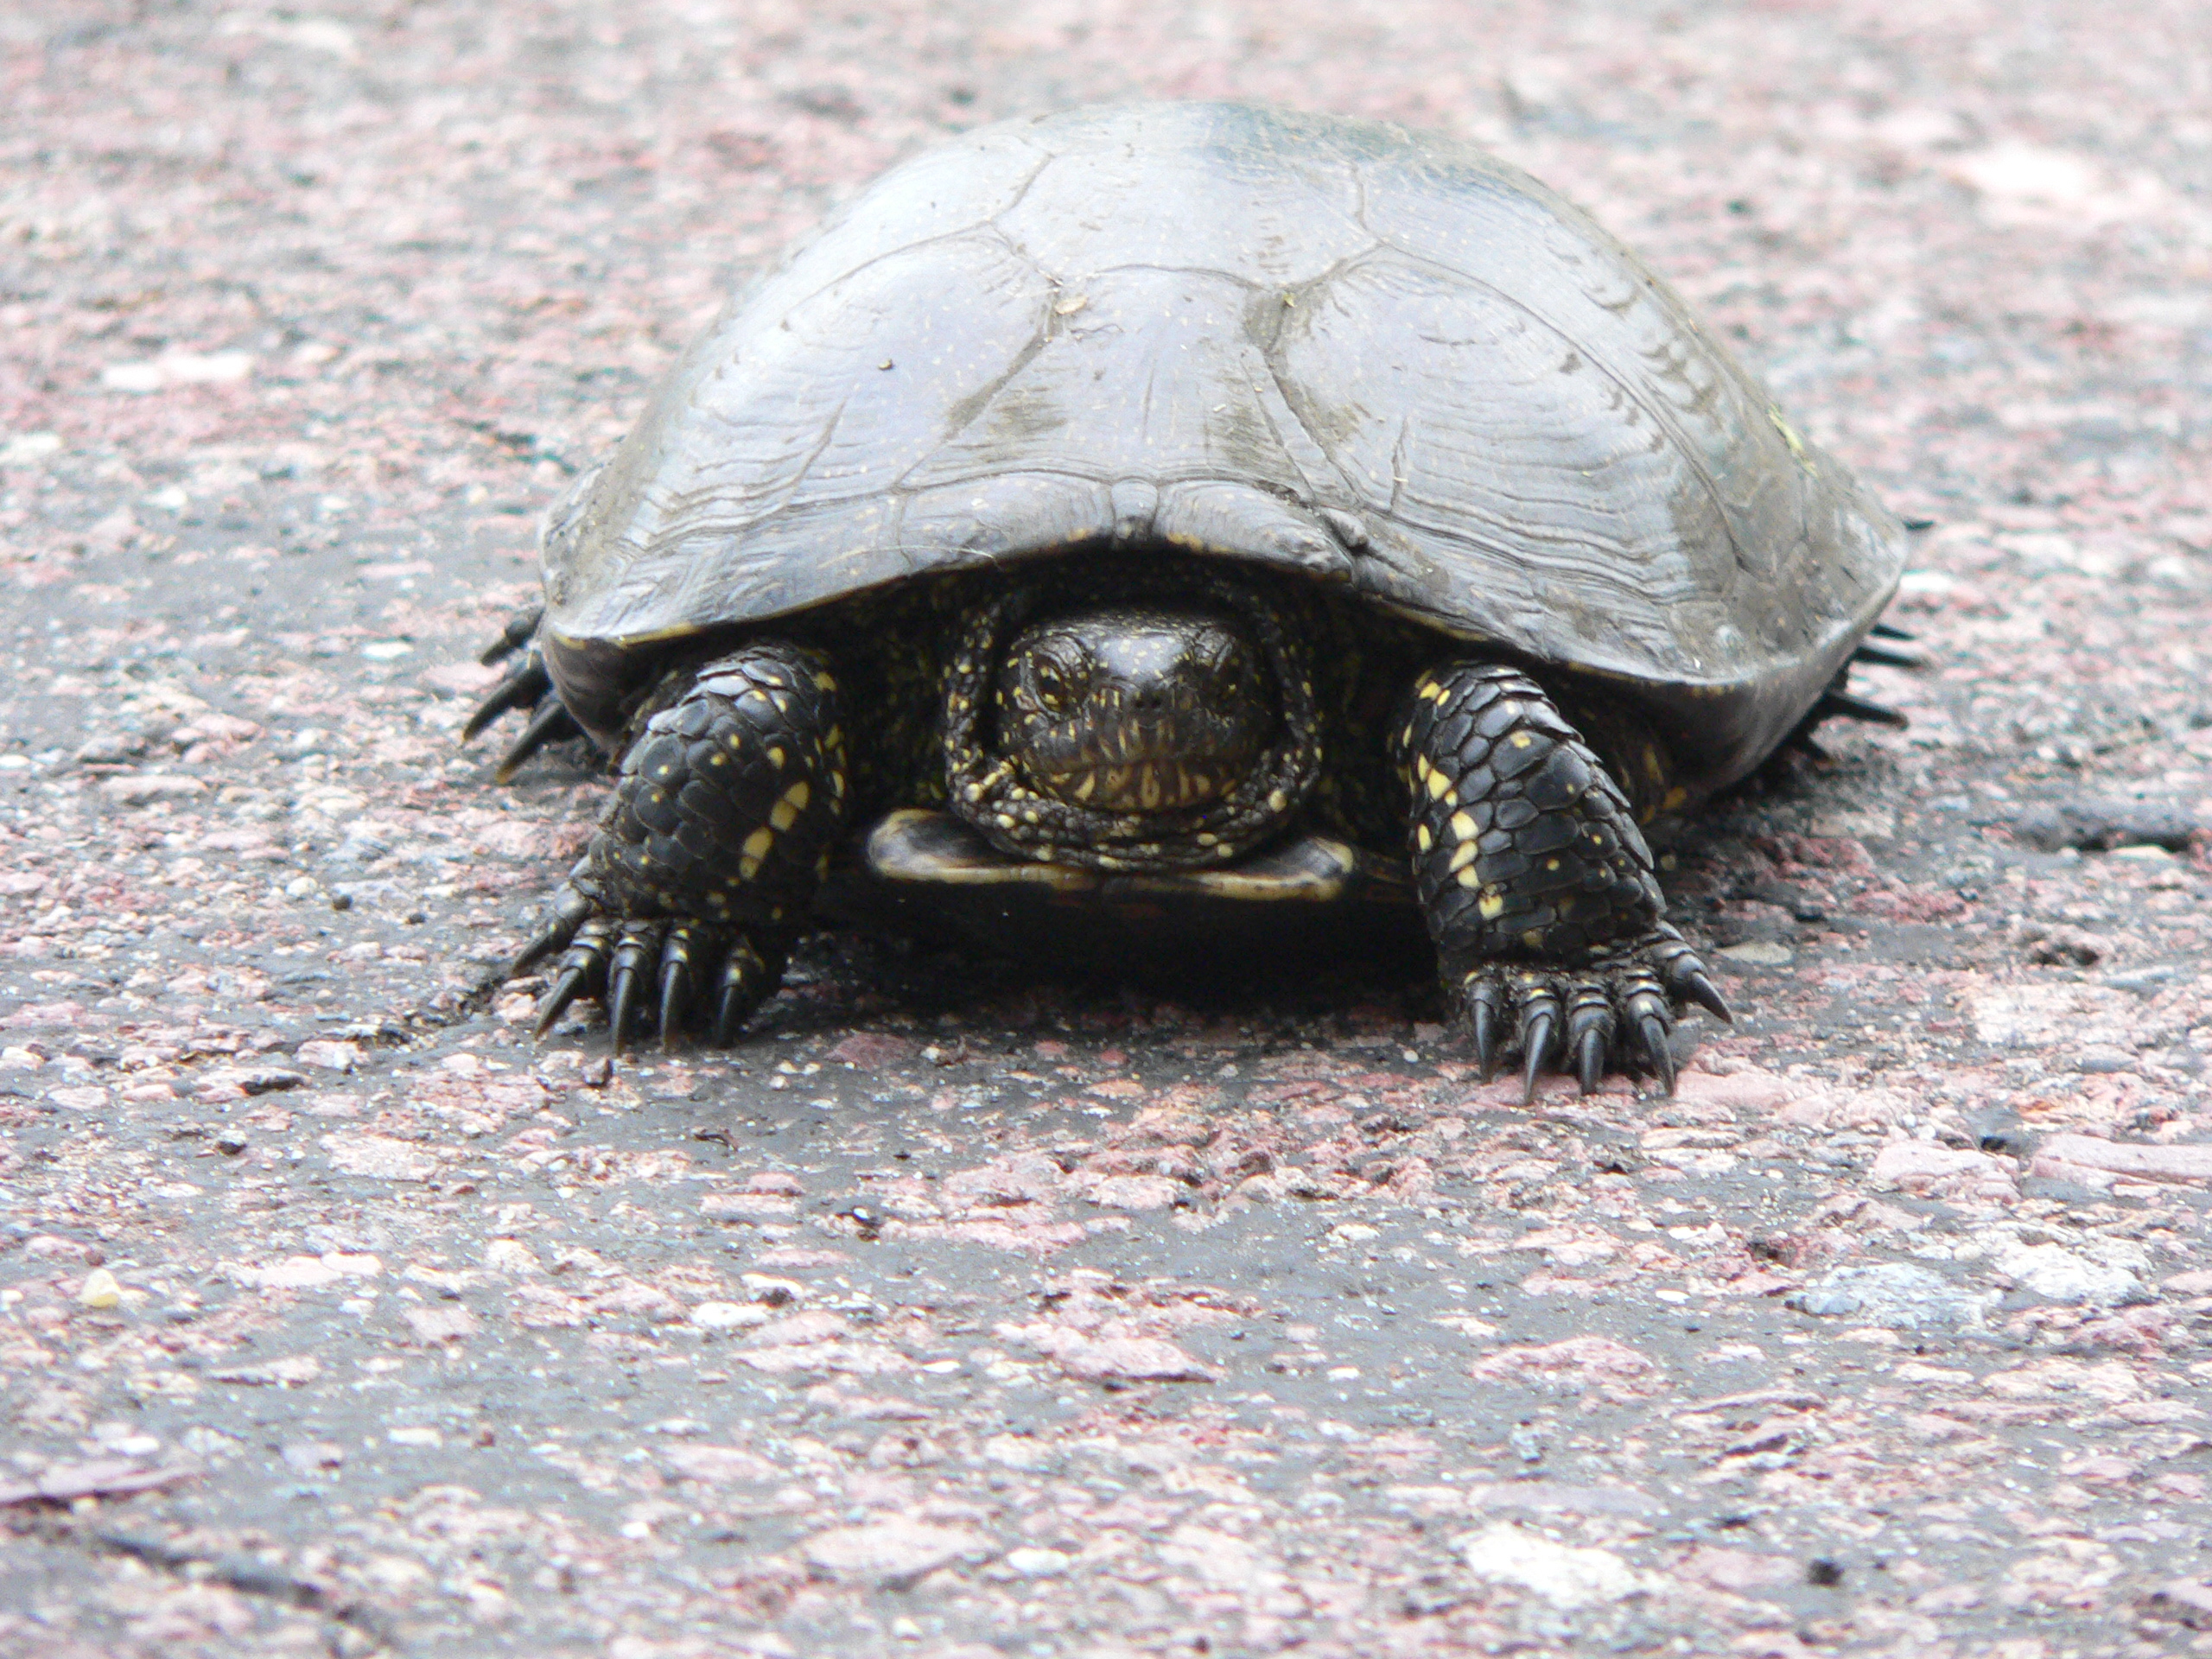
(1438, 784)
(776, 758)
(1522, 740)
(1463, 827)
(1653, 768)
(1533, 939)
(825, 682)
(1551, 863)
(718, 760)
(782, 816)
(754, 850)
(1423, 838)
(1278, 802)
(1491, 905)
(1677, 798)
(1463, 855)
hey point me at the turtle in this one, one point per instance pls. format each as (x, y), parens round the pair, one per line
(1182, 510)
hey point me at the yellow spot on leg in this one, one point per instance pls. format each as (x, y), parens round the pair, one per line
(1492, 904)
(755, 850)
(1423, 839)
(1463, 827)
(786, 812)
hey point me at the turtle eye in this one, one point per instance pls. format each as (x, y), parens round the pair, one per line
(1055, 684)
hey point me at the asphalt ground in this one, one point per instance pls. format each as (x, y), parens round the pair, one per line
(962, 1310)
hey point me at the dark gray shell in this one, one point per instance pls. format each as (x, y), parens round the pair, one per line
(1387, 360)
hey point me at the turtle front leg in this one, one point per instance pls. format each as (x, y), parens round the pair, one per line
(1537, 885)
(701, 869)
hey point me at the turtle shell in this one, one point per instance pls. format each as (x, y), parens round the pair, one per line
(1386, 360)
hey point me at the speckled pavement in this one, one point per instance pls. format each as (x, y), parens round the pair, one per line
(959, 1314)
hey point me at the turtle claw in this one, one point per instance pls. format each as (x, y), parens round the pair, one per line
(680, 953)
(1590, 1061)
(747, 976)
(1589, 1034)
(1616, 1012)
(523, 688)
(1651, 1033)
(1485, 1006)
(529, 685)
(1686, 982)
(552, 723)
(583, 971)
(674, 999)
(521, 629)
(634, 957)
(648, 971)
(571, 910)
(1539, 1033)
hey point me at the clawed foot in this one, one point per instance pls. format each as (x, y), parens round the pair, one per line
(528, 685)
(1618, 1010)
(668, 971)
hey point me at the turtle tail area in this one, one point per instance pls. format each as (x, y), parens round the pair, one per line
(1884, 647)
(528, 686)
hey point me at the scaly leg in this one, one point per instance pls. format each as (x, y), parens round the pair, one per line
(1536, 883)
(703, 865)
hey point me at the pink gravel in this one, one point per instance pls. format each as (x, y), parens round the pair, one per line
(959, 1315)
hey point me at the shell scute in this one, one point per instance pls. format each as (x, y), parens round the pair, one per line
(1335, 348)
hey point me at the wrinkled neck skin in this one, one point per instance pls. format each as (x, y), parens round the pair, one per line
(1135, 709)
(1160, 725)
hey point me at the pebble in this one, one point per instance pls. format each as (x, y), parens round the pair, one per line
(1896, 1294)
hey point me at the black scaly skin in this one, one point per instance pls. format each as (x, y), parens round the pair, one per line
(1536, 883)
(731, 796)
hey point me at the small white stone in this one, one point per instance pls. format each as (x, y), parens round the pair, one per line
(1560, 1574)
(727, 1316)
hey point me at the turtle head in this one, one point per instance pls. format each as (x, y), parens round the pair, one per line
(1140, 708)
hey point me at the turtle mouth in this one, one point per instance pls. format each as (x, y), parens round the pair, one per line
(1157, 785)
